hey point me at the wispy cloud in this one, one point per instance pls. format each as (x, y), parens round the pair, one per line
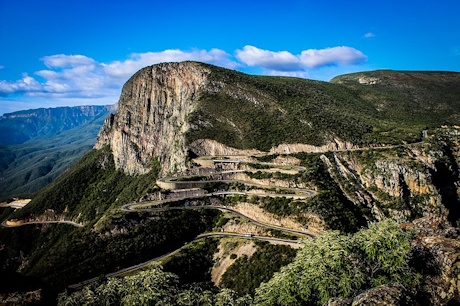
(2, 67)
(78, 77)
(137, 61)
(281, 62)
(369, 35)
(66, 61)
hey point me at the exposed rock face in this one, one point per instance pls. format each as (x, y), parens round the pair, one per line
(401, 183)
(336, 145)
(383, 295)
(204, 147)
(151, 119)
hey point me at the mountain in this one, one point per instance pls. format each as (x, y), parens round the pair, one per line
(21, 126)
(367, 163)
(38, 145)
(198, 104)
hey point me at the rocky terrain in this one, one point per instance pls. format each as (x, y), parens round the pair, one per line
(370, 147)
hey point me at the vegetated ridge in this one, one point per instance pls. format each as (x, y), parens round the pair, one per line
(197, 104)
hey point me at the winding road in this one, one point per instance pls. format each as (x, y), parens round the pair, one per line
(5, 223)
(179, 184)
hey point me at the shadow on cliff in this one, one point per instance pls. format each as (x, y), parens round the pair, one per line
(444, 178)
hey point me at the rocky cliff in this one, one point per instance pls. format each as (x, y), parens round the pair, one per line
(152, 117)
(172, 111)
(403, 182)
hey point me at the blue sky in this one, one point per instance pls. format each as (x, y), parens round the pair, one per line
(56, 53)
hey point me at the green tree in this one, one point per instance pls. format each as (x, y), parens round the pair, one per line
(335, 265)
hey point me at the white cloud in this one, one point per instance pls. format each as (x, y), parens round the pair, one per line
(280, 62)
(81, 77)
(139, 60)
(369, 35)
(25, 84)
(313, 58)
(66, 61)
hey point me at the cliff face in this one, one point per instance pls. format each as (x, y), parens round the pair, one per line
(169, 110)
(152, 117)
(404, 182)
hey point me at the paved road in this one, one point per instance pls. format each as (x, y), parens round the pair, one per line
(129, 207)
(202, 236)
(43, 222)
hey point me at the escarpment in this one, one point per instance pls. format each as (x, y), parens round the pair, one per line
(151, 118)
(173, 111)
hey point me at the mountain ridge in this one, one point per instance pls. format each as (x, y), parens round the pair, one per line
(256, 112)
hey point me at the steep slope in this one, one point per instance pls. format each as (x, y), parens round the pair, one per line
(27, 167)
(205, 109)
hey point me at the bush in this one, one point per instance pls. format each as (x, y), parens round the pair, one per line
(335, 265)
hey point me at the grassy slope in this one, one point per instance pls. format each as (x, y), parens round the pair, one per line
(89, 188)
(432, 97)
(260, 112)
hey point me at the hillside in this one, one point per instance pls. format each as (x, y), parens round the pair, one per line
(46, 142)
(249, 160)
(269, 114)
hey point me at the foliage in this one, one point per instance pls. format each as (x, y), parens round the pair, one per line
(89, 188)
(334, 265)
(246, 111)
(246, 274)
(83, 253)
(152, 287)
(384, 249)
(194, 262)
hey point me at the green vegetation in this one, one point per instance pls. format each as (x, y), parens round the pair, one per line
(258, 166)
(83, 253)
(280, 206)
(266, 158)
(246, 274)
(330, 204)
(193, 264)
(54, 142)
(334, 265)
(153, 287)
(89, 188)
(431, 97)
(265, 175)
(261, 112)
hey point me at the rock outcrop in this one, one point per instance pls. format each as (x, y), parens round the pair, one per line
(151, 118)
(403, 183)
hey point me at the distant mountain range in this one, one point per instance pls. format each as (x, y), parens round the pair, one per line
(37, 145)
